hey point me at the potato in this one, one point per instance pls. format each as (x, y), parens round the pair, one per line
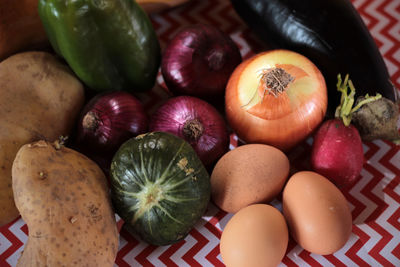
(64, 199)
(40, 98)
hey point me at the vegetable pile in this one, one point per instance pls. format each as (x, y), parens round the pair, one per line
(335, 45)
(165, 166)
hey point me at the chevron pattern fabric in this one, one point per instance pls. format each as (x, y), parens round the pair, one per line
(374, 200)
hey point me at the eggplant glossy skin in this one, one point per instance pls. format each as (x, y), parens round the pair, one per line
(331, 33)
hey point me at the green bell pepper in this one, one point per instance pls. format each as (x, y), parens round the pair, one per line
(109, 44)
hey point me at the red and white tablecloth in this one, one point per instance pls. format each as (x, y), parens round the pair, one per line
(374, 200)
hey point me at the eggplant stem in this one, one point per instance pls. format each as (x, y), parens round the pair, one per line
(345, 110)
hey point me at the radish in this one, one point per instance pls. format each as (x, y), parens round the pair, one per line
(337, 151)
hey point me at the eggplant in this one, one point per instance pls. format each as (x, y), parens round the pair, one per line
(331, 33)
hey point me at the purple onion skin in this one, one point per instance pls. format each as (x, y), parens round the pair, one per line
(108, 120)
(211, 139)
(198, 61)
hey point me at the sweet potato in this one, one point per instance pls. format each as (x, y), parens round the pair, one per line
(20, 27)
(64, 199)
(154, 6)
(39, 99)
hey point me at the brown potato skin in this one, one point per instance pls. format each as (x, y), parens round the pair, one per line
(64, 199)
(40, 98)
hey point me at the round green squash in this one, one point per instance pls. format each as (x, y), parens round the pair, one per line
(160, 188)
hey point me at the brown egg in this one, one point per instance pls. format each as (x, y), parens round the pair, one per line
(248, 174)
(256, 236)
(317, 213)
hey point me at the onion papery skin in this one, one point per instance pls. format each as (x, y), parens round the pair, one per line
(108, 120)
(198, 61)
(282, 121)
(176, 112)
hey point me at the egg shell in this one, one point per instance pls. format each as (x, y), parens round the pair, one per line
(317, 213)
(256, 236)
(248, 174)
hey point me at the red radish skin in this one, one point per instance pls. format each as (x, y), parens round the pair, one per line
(337, 153)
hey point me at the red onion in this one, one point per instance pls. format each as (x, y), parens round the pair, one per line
(196, 121)
(198, 61)
(109, 119)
